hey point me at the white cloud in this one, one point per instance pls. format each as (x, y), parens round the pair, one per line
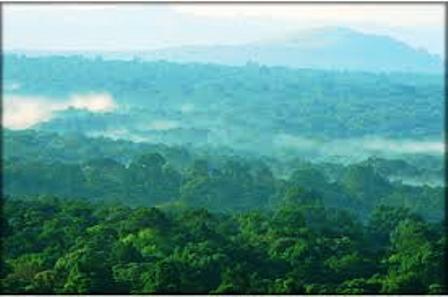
(93, 102)
(21, 112)
(406, 146)
(368, 145)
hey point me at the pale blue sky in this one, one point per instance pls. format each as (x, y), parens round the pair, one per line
(146, 26)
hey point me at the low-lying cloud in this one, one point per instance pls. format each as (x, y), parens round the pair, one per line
(21, 112)
(405, 146)
(161, 125)
(360, 147)
(93, 102)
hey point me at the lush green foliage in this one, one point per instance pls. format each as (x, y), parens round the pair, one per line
(220, 224)
(72, 246)
(232, 105)
(156, 175)
(244, 203)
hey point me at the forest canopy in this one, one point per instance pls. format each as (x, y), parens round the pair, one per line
(157, 177)
(100, 216)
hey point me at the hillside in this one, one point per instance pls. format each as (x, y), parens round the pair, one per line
(267, 110)
(330, 48)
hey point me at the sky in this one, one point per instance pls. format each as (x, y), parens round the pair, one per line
(135, 27)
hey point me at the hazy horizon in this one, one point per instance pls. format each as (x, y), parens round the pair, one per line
(141, 27)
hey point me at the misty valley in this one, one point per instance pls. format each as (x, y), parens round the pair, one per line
(146, 174)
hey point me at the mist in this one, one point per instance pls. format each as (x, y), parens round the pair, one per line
(22, 112)
(356, 149)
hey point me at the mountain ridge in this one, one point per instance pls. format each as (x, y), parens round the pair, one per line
(328, 48)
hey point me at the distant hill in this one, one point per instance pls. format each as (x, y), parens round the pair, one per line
(331, 48)
(227, 104)
(270, 110)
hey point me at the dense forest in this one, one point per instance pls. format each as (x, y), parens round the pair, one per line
(74, 246)
(87, 215)
(158, 177)
(223, 105)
